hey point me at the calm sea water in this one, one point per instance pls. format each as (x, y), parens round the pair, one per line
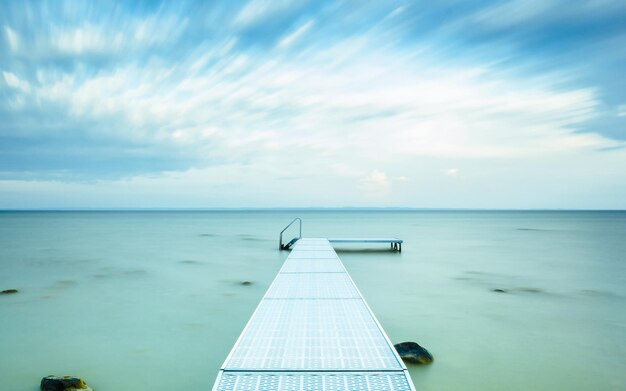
(153, 300)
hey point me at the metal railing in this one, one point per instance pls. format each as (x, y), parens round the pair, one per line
(286, 246)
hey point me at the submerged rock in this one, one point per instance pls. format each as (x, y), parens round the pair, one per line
(413, 353)
(8, 291)
(63, 383)
(530, 290)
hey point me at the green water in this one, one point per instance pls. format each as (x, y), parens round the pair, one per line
(153, 300)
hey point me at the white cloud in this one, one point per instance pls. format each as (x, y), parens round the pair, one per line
(12, 38)
(325, 116)
(15, 82)
(391, 109)
(397, 11)
(514, 12)
(378, 179)
(267, 183)
(89, 38)
(376, 184)
(295, 35)
(320, 116)
(258, 10)
(523, 13)
(452, 172)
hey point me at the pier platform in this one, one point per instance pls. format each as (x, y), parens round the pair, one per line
(313, 331)
(396, 244)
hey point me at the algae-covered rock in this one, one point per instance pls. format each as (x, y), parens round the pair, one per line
(413, 353)
(63, 383)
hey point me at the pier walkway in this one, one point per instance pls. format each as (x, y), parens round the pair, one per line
(313, 331)
(396, 244)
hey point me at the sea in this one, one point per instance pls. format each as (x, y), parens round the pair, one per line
(154, 300)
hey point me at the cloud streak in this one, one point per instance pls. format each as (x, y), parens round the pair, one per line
(352, 91)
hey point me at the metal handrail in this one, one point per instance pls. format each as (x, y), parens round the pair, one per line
(280, 242)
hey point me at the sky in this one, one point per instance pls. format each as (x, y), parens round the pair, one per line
(227, 104)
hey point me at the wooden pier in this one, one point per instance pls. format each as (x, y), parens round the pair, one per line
(313, 331)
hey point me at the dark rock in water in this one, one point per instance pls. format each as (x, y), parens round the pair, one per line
(8, 291)
(190, 262)
(63, 383)
(413, 353)
(499, 290)
(246, 283)
(531, 290)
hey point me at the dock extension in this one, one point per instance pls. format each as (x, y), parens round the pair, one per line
(395, 243)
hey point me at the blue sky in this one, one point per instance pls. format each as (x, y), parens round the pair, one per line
(447, 104)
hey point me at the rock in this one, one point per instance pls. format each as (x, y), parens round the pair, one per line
(499, 290)
(63, 383)
(8, 291)
(531, 290)
(246, 282)
(413, 353)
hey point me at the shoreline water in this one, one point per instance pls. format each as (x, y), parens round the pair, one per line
(118, 298)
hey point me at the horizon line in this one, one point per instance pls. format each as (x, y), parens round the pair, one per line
(304, 209)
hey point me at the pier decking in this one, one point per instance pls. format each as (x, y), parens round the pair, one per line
(313, 331)
(396, 244)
